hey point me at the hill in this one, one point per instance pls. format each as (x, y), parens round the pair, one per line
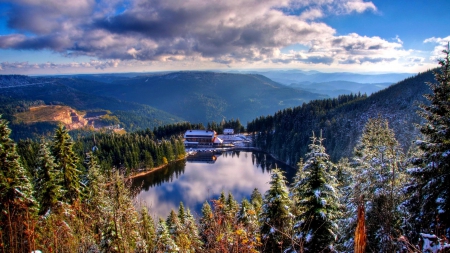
(286, 134)
(23, 93)
(203, 96)
(297, 76)
(336, 88)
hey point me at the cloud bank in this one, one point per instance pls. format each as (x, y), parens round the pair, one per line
(222, 32)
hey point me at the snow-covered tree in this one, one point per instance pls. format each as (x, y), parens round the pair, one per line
(164, 242)
(316, 199)
(66, 162)
(433, 173)
(17, 204)
(206, 226)
(147, 231)
(276, 217)
(378, 180)
(47, 184)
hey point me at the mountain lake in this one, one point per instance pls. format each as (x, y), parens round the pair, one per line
(202, 178)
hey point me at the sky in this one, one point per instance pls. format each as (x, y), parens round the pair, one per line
(106, 36)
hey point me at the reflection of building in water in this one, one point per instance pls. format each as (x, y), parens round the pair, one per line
(203, 157)
(201, 138)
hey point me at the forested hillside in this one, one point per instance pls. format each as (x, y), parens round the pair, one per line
(341, 120)
(19, 93)
(202, 96)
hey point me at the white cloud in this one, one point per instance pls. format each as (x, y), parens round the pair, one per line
(442, 44)
(358, 6)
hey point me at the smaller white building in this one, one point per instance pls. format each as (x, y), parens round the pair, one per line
(228, 131)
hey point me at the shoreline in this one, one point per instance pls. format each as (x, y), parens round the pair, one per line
(144, 173)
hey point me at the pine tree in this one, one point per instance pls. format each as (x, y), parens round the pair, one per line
(256, 200)
(378, 183)
(206, 226)
(66, 162)
(433, 178)
(17, 204)
(276, 218)
(164, 242)
(147, 230)
(47, 185)
(315, 195)
(191, 230)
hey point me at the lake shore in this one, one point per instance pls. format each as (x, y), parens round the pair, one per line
(144, 173)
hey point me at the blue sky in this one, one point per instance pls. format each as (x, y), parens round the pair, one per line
(103, 36)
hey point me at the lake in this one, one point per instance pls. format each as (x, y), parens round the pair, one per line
(196, 180)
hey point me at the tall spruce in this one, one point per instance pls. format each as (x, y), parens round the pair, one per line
(66, 162)
(433, 177)
(276, 218)
(377, 183)
(17, 204)
(47, 185)
(164, 242)
(317, 201)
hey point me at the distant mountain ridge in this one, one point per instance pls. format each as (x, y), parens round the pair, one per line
(203, 96)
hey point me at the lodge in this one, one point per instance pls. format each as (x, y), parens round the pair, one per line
(201, 138)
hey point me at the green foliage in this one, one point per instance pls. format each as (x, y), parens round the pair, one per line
(48, 183)
(286, 133)
(66, 163)
(16, 198)
(433, 175)
(315, 195)
(276, 217)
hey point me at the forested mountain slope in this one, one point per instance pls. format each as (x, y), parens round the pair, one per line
(286, 134)
(19, 93)
(203, 96)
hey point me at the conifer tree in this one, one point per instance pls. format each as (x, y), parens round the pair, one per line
(17, 204)
(206, 224)
(164, 242)
(47, 184)
(378, 183)
(276, 218)
(147, 230)
(316, 198)
(256, 200)
(175, 229)
(191, 230)
(433, 177)
(66, 162)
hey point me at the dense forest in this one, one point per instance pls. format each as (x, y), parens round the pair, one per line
(341, 120)
(61, 195)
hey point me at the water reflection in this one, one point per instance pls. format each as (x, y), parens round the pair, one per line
(193, 182)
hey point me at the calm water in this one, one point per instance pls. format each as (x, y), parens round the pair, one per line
(194, 182)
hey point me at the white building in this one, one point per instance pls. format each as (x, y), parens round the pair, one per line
(199, 137)
(228, 131)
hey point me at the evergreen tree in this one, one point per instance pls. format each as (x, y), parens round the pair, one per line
(276, 218)
(66, 162)
(147, 228)
(433, 177)
(256, 200)
(164, 242)
(316, 198)
(378, 183)
(206, 225)
(17, 204)
(47, 184)
(191, 230)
